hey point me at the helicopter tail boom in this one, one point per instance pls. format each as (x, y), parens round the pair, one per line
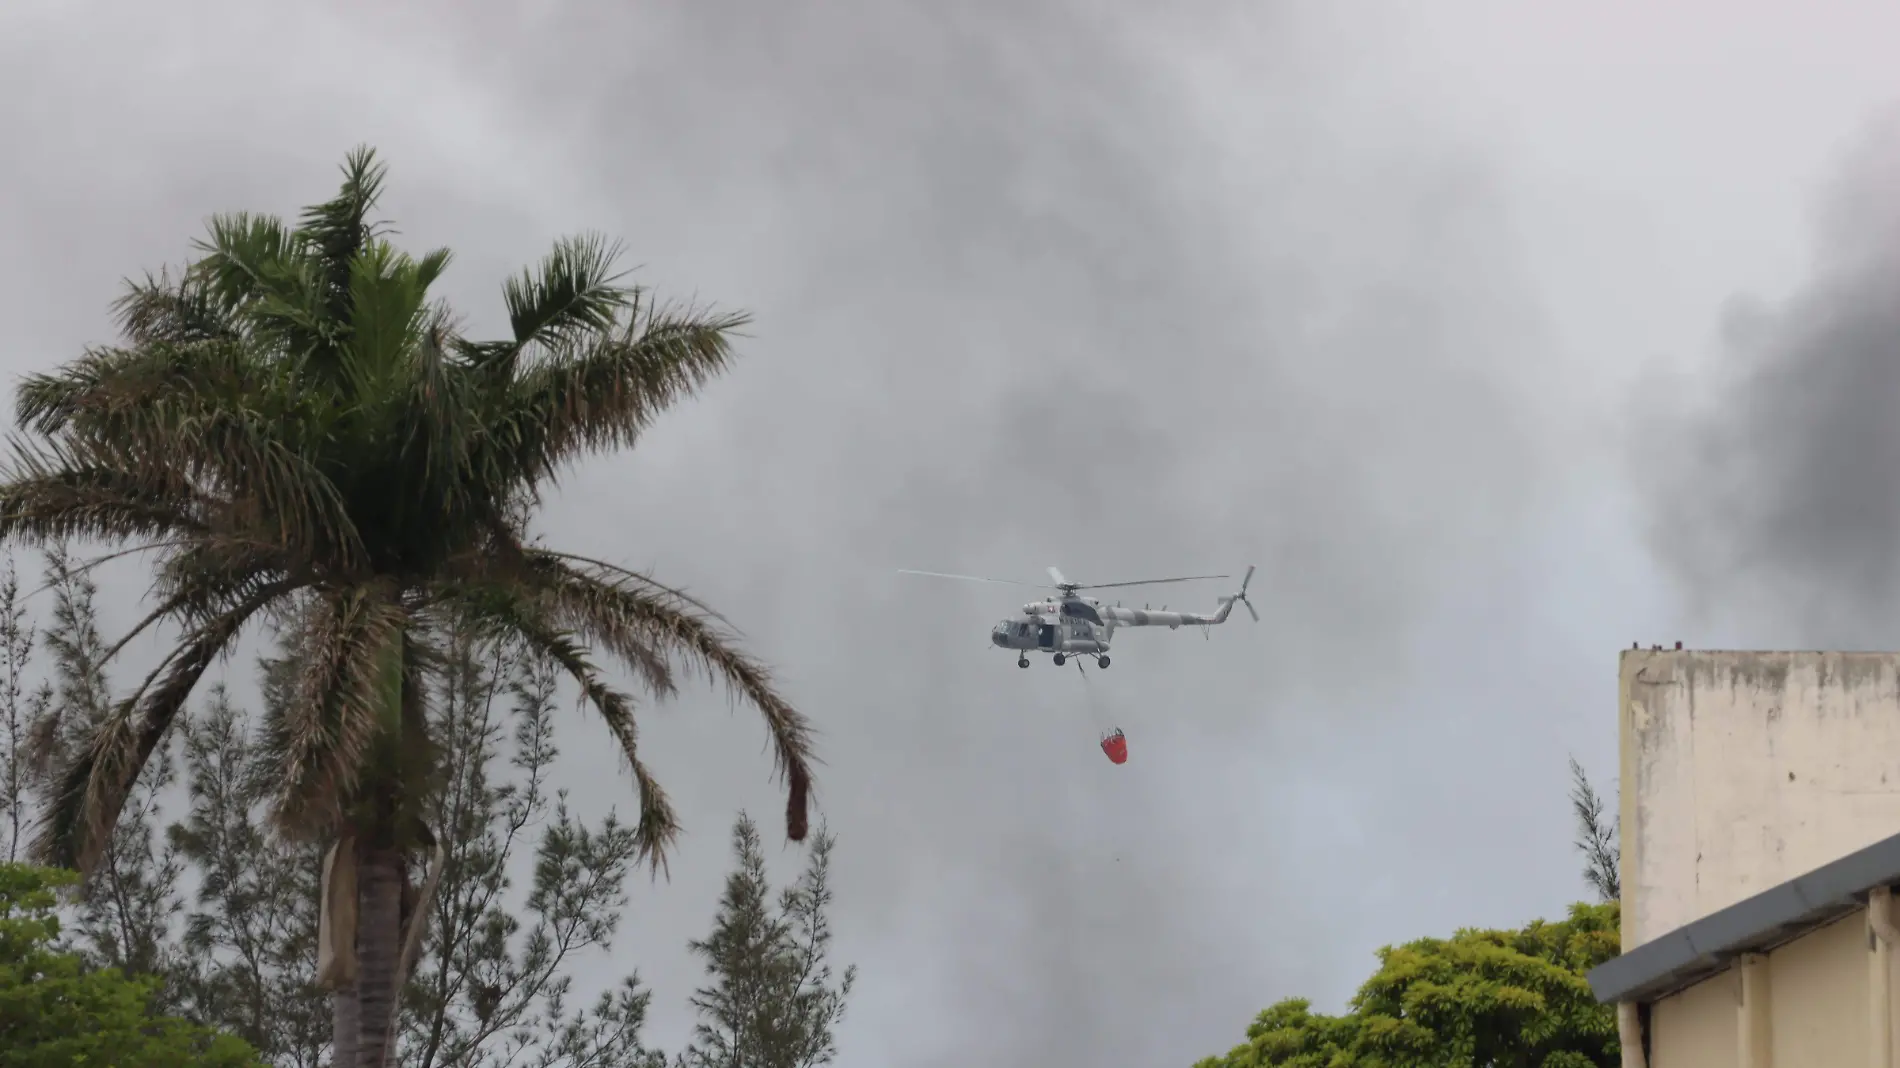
(1143, 617)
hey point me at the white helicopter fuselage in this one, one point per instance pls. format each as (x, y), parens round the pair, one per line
(1049, 633)
(1071, 625)
(1046, 627)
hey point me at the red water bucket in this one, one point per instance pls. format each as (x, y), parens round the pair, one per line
(1115, 744)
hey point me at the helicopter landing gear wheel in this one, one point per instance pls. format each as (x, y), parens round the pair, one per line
(1101, 662)
(1022, 661)
(1060, 659)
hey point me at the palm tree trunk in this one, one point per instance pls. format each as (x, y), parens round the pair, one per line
(379, 951)
(344, 1025)
(336, 949)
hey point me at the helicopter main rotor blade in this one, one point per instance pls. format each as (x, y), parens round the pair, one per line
(1150, 582)
(1055, 576)
(971, 578)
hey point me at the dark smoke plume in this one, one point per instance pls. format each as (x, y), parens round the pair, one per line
(1775, 476)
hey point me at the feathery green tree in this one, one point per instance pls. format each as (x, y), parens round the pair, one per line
(1596, 837)
(299, 435)
(772, 1001)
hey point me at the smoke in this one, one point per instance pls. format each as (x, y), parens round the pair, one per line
(1028, 306)
(1774, 476)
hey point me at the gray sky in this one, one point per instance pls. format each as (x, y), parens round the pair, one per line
(1382, 298)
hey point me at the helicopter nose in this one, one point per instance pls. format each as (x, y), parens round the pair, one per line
(997, 637)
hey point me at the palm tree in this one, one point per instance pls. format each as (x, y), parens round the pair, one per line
(305, 441)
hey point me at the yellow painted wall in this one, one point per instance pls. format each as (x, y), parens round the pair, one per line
(1697, 1027)
(1817, 989)
(1818, 993)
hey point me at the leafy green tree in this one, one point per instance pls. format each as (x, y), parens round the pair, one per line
(56, 1012)
(772, 1002)
(1496, 999)
(298, 434)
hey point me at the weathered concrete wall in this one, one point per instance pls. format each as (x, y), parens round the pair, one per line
(1741, 770)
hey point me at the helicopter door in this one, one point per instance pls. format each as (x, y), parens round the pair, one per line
(1046, 636)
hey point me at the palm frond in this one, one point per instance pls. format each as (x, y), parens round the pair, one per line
(261, 270)
(201, 581)
(438, 419)
(340, 228)
(231, 464)
(572, 293)
(337, 705)
(93, 787)
(151, 381)
(242, 256)
(161, 310)
(641, 578)
(49, 498)
(250, 261)
(602, 391)
(503, 613)
(208, 418)
(390, 314)
(616, 612)
(658, 828)
(75, 571)
(504, 561)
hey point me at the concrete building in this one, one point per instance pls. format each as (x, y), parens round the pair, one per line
(1798, 976)
(1759, 815)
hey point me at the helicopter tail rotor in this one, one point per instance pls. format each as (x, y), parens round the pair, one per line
(1242, 595)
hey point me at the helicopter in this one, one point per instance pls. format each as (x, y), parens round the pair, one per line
(1070, 625)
